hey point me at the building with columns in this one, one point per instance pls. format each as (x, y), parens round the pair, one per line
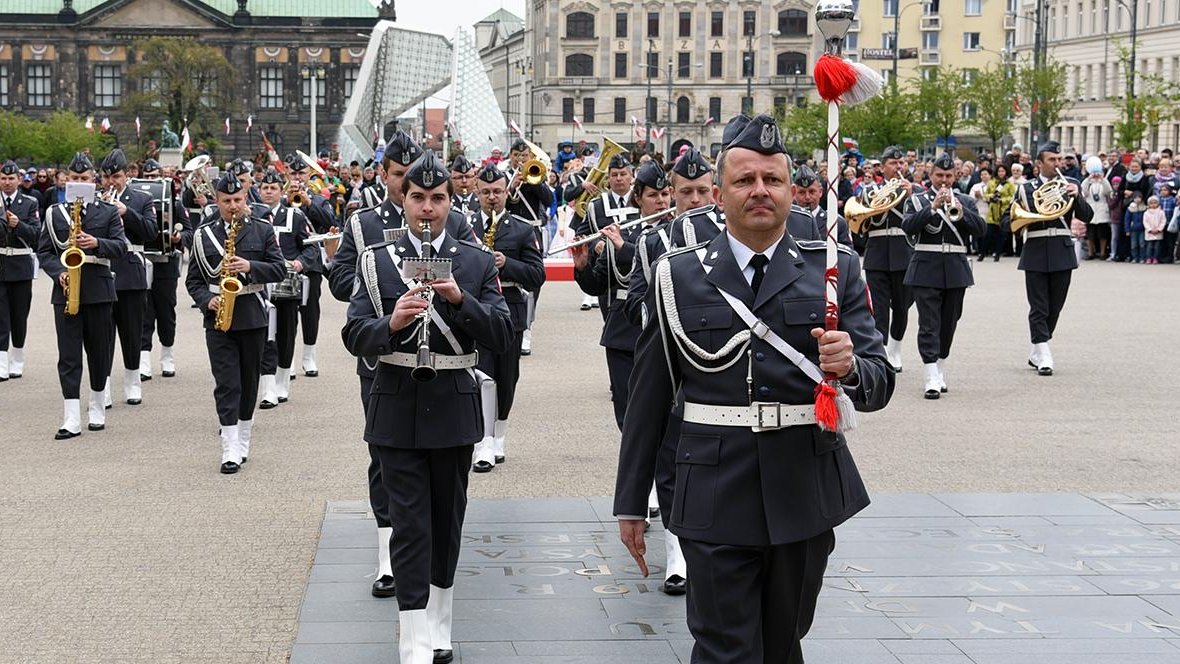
(75, 55)
(1086, 36)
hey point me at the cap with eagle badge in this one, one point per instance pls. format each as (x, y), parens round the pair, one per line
(81, 163)
(1048, 146)
(228, 183)
(892, 152)
(402, 149)
(9, 168)
(491, 174)
(732, 128)
(272, 177)
(619, 161)
(651, 175)
(805, 177)
(761, 135)
(460, 164)
(238, 168)
(115, 162)
(428, 172)
(151, 165)
(945, 162)
(295, 164)
(692, 165)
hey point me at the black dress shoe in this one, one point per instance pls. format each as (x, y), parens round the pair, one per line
(134, 402)
(108, 406)
(14, 376)
(267, 405)
(653, 512)
(3, 378)
(500, 460)
(585, 307)
(229, 468)
(675, 585)
(482, 467)
(282, 399)
(168, 374)
(383, 587)
(524, 352)
(65, 434)
(1044, 371)
(931, 394)
(443, 656)
(95, 427)
(311, 374)
(145, 377)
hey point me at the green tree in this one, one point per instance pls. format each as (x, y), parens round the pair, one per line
(1153, 104)
(1043, 93)
(941, 93)
(804, 128)
(993, 91)
(20, 136)
(891, 118)
(67, 134)
(185, 82)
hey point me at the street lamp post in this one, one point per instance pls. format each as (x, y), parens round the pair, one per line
(312, 73)
(748, 103)
(1038, 64)
(897, 35)
(647, 105)
(1131, 65)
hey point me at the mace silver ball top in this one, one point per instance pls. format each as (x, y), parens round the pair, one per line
(833, 18)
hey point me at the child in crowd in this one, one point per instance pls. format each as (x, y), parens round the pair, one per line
(1133, 225)
(1154, 222)
(1168, 205)
(1118, 233)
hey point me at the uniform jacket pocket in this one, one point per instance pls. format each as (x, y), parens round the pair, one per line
(697, 459)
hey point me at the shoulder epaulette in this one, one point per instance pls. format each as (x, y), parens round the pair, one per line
(682, 250)
(473, 245)
(817, 245)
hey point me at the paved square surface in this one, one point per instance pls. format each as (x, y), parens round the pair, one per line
(916, 579)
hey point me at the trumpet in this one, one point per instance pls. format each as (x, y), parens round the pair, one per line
(594, 237)
(952, 209)
(295, 197)
(536, 170)
(108, 196)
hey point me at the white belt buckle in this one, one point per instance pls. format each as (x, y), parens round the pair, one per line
(760, 330)
(762, 411)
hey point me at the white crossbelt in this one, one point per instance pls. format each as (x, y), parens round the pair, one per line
(510, 284)
(15, 251)
(246, 290)
(1046, 232)
(759, 416)
(439, 362)
(135, 247)
(892, 230)
(944, 248)
(95, 260)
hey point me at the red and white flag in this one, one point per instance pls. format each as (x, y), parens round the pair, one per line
(106, 125)
(658, 132)
(710, 121)
(227, 126)
(639, 131)
(249, 123)
(185, 140)
(137, 127)
(851, 143)
(516, 128)
(272, 155)
(577, 123)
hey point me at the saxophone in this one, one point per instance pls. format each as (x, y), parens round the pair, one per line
(73, 258)
(229, 284)
(489, 236)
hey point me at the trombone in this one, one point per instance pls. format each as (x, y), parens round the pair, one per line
(536, 170)
(594, 237)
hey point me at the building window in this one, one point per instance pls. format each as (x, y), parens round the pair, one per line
(39, 85)
(930, 7)
(851, 42)
(588, 109)
(747, 105)
(888, 39)
(108, 86)
(748, 22)
(780, 106)
(716, 62)
(683, 65)
(653, 63)
(715, 108)
(973, 7)
(792, 22)
(321, 91)
(684, 21)
(567, 109)
(579, 25)
(4, 85)
(790, 63)
(890, 8)
(930, 41)
(682, 110)
(717, 24)
(653, 24)
(969, 76)
(970, 41)
(579, 64)
(968, 110)
(351, 73)
(653, 108)
(620, 109)
(747, 64)
(270, 87)
(621, 65)
(621, 25)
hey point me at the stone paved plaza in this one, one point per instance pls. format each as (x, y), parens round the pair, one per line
(128, 546)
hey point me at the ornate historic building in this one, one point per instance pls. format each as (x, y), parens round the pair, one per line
(76, 54)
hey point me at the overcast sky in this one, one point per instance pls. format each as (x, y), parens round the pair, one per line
(443, 16)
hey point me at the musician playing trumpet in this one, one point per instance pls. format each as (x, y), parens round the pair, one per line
(423, 433)
(939, 274)
(530, 200)
(99, 234)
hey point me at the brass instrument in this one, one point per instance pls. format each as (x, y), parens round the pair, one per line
(536, 170)
(73, 258)
(424, 370)
(884, 199)
(108, 196)
(489, 236)
(954, 211)
(598, 173)
(296, 198)
(1050, 201)
(229, 285)
(197, 180)
(594, 237)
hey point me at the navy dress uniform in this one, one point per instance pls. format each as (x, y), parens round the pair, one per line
(318, 211)
(523, 272)
(20, 222)
(811, 223)
(940, 272)
(132, 281)
(531, 202)
(464, 201)
(235, 355)
(886, 258)
(424, 432)
(159, 316)
(1048, 259)
(610, 207)
(91, 328)
(759, 487)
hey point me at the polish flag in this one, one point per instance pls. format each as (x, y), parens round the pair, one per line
(137, 127)
(249, 123)
(227, 127)
(185, 140)
(711, 121)
(577, 123)
(106, 125)
(515, 128)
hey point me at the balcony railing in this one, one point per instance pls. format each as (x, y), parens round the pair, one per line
(931, 23)
(929, 57)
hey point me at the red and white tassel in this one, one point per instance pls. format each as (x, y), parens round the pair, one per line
(834, 410)
(868, 85)
(841, 80)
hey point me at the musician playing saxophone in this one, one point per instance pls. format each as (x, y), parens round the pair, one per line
(99, 234)
(423, 433)
(234, 245)
(517, 253)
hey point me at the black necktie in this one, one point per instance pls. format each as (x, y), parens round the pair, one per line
(758, 262)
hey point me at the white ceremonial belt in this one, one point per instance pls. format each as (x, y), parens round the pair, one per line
(892, 230)
(157, 257)
(944, 248)
(439, 362)
(1046, 232)
(759, 416)
(95, 260)
(135, 247)
(246, 290)
(620, 294)
(15, 251)
(510, 284)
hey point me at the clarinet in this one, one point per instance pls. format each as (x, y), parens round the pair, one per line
(425, 371)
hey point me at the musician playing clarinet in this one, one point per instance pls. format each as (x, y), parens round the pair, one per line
(423, 429)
